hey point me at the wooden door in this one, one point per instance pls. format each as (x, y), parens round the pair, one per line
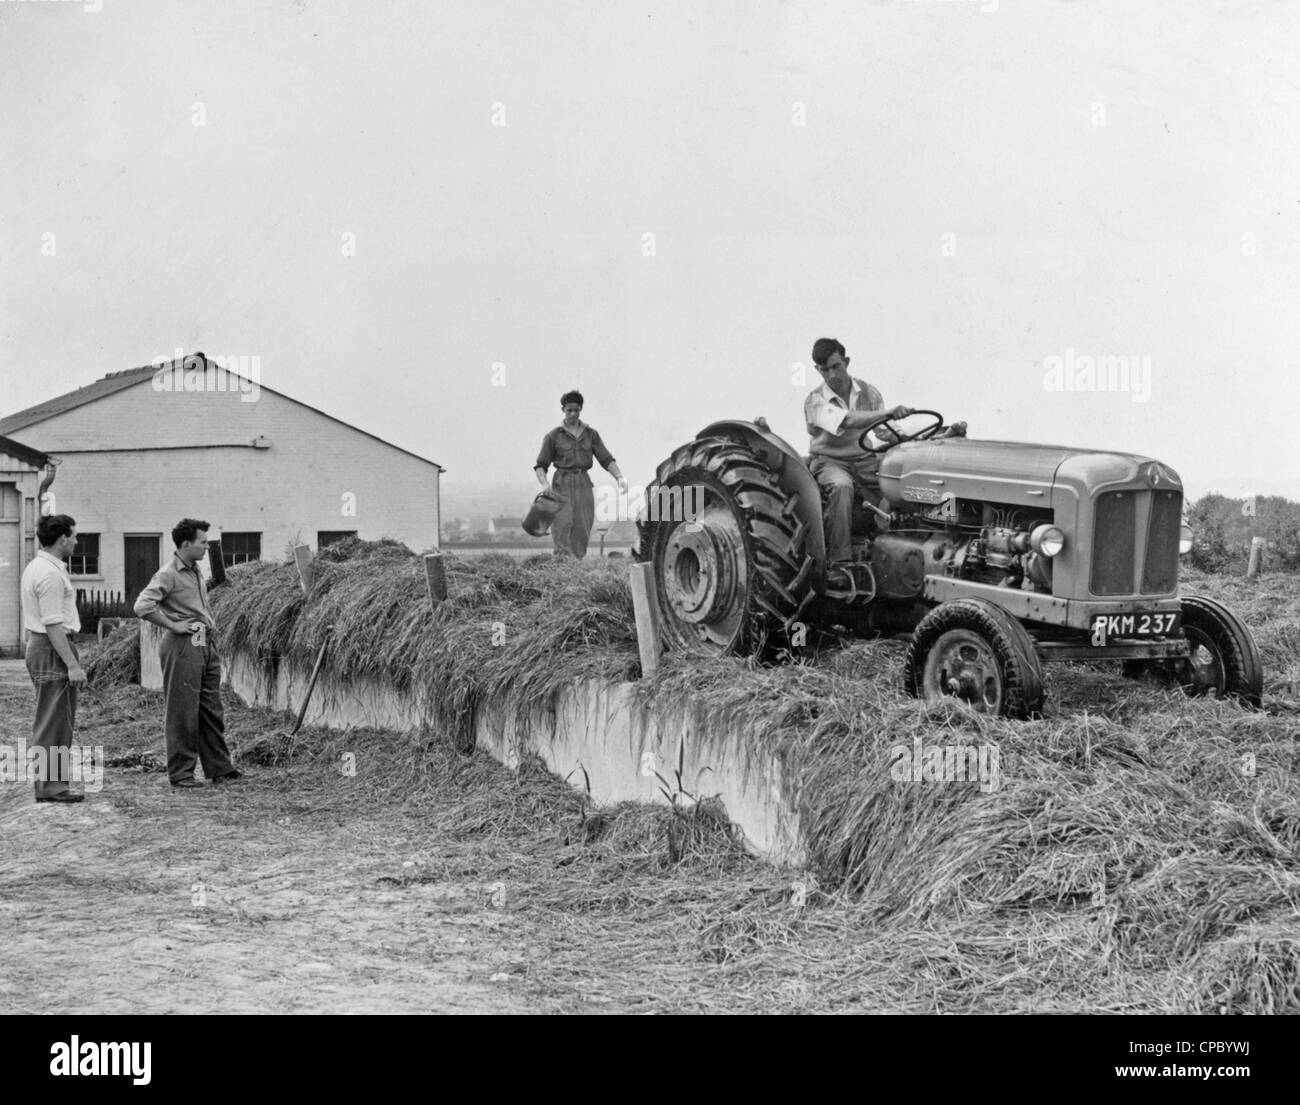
(11, 552)
(142, 557)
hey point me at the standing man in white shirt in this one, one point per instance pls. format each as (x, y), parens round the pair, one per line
(49, 602)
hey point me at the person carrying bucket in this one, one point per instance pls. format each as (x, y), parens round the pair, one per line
(571, 447)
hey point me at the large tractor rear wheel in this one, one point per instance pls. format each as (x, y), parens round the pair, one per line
(974, 650)
(1224, 661)
(731, 569)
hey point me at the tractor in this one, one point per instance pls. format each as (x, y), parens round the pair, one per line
(996, 556)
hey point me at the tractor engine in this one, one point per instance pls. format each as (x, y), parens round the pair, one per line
(983, 512)
(983, 542)
(1008, 554)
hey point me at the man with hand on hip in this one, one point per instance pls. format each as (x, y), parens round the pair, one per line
(176, 600)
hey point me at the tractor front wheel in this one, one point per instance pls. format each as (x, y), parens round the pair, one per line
(1224, 660)
(973, 650)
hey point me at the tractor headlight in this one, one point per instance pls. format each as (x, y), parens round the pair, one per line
(1046, 540)
(1184, 539)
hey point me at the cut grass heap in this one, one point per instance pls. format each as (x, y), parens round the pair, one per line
(115, 660)
(1139, 842)
(507, 629)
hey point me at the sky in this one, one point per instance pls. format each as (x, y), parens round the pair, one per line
(431, 219)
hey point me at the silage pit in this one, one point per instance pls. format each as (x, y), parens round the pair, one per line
(1085, 855)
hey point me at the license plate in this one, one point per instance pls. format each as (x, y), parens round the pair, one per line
(1108, 627)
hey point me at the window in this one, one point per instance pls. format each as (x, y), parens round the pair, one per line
(10, 501)
(326, 537)
(84, 560)
(240, 548)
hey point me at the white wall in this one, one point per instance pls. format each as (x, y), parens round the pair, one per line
(315, 471)
(599, 739)
(19, 483)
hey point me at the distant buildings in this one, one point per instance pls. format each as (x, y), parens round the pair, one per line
(506, 529)
(138, 450)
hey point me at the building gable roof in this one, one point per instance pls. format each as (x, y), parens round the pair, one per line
(19, 451)
(109, 385)
(120, 381)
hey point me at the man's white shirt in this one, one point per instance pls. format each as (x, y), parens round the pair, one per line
(824, 413)
(48, 596)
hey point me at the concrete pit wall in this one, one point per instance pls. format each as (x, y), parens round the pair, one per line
(150, 666)
(599, 740)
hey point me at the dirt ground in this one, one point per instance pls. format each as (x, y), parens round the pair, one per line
(256, 898)
(458, 887)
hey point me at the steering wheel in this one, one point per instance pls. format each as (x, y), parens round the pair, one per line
(926, 432)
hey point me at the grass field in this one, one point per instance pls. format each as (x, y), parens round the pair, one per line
(1142, 853)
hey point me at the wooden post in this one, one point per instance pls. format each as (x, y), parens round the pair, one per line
(1256, 555)
(302, 556)
(216, 563)
(435, 575)
(647, 617)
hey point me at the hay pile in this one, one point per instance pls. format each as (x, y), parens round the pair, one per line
(1134, 830)
(1136, 834)
(115, 660)
(507, 628)
(353, 548)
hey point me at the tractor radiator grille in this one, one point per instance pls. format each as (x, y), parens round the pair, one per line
(1160, 573)
(1114, 537)
(1131, 529)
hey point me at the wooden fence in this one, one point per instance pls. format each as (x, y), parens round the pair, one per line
(94, 605)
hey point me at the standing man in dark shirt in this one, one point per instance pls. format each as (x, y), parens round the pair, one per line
(571, 447)
(177, 601)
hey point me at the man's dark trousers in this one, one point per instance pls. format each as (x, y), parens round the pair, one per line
(194, 721)
(571, 529)
(56, 707)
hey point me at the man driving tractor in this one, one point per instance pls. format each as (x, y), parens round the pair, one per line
(838, 414)
(1003, 556)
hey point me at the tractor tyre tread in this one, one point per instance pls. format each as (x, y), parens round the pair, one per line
(1243, 668)
(1020, 668)
(781, 568)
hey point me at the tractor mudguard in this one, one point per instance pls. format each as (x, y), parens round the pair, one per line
(794, 477)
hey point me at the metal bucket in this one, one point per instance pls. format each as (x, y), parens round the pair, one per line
(537, 522)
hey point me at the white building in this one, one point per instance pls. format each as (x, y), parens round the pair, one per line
(21, 472)
(139, 450)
